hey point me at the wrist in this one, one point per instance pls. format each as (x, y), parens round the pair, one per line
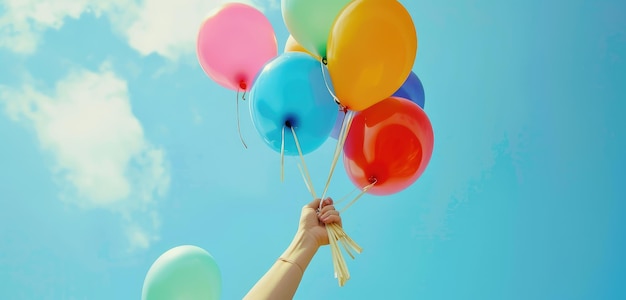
(301, 250)
(307, 239)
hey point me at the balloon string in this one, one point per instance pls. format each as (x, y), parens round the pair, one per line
(346, 242)
(323, 66)
(335, 158)
(345, 197)
(282, 155)
(306, 171)
(336, 233)
(306, 182)
(346, 247)
(338, 261)
(338, 147)
(238, 121)
(346, 122)
(346, 239)
(365, 189)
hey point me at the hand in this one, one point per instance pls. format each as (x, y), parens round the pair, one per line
(313, 225)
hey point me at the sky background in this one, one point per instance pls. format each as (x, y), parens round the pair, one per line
(115, 147)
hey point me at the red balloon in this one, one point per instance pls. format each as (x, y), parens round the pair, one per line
(389, 143)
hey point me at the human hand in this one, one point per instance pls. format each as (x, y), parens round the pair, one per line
(313, 225)
(283, 278)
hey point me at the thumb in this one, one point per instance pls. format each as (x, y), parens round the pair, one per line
(314, 204)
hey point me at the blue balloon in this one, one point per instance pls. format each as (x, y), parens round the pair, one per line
(290, 92)
(412, 89)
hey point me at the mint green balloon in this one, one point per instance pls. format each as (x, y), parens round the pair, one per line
(181, 273)
(310, 21)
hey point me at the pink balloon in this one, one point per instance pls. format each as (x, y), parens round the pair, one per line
(234, 43)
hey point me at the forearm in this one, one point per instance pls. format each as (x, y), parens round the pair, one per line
(283, 278)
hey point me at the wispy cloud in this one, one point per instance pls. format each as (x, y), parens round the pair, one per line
(163, 27)
(23, 22)
(101, 156)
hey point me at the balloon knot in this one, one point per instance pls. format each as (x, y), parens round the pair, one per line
(324, 61)
(342, 107)
(243, 85)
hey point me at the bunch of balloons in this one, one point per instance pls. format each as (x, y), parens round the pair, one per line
(346, 73)
(342, 58)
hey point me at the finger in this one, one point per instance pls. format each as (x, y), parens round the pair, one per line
(327, 201)
(332, 219)
(327, 214)
(327, 209)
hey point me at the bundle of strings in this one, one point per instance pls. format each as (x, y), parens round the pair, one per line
(336, 235)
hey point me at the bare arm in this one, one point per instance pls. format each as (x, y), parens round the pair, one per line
(282, 280)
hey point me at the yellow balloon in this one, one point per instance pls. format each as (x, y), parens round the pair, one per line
(293, 46)
(371, 51)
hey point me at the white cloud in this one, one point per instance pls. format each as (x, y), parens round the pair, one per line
(167, 28)
(100, 153)
(24, 21)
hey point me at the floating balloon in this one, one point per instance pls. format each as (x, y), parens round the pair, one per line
(389, 144)
(293, 46)
(412, 89)
(371, 51)
(310, 21)
(234, 43)
(183, 272)
(290, 92)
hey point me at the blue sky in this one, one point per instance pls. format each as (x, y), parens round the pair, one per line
(117, 147)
